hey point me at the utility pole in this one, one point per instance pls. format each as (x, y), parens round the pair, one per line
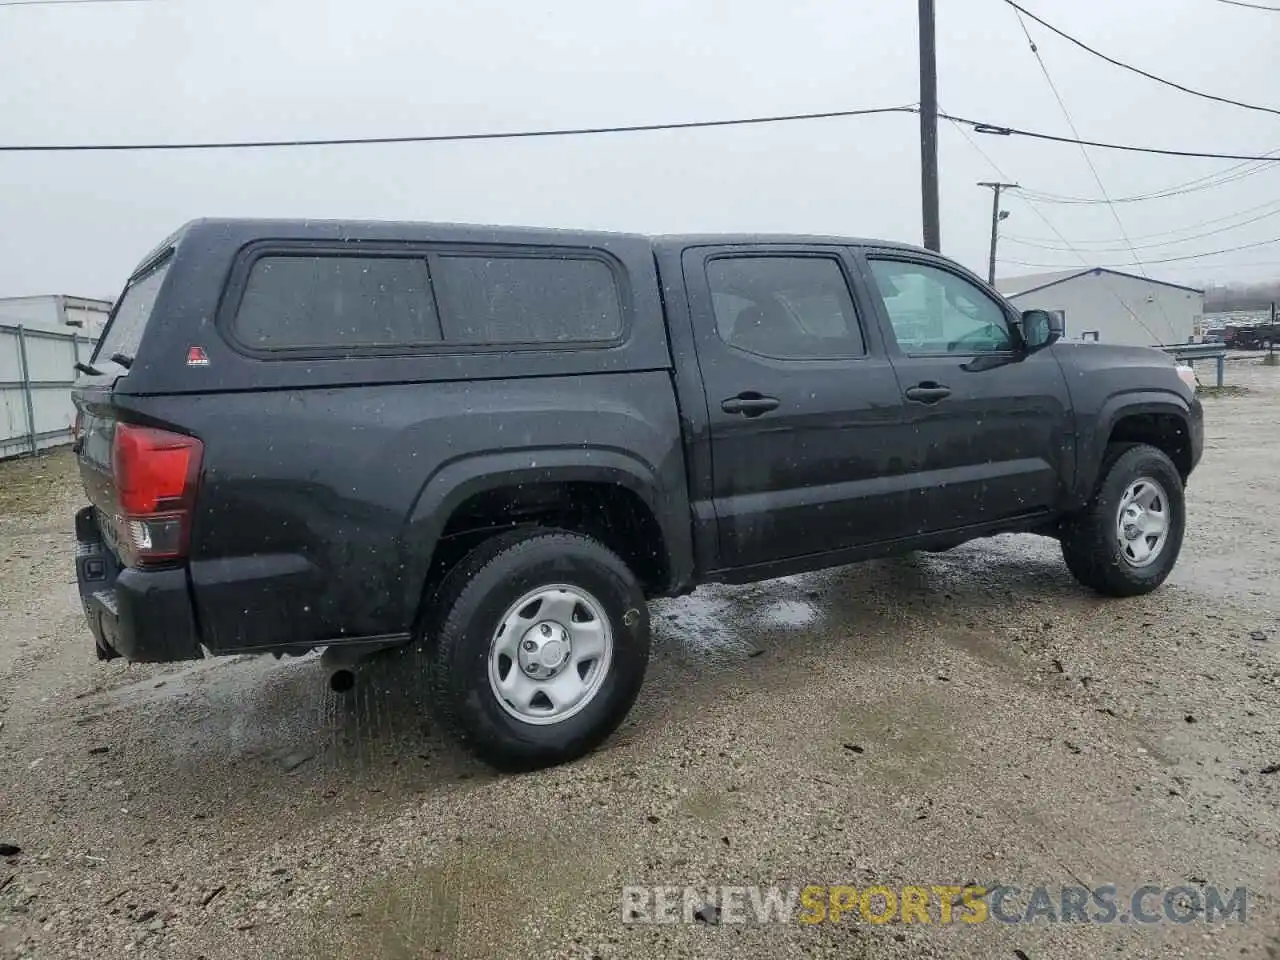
(996, 216)
(929, 129)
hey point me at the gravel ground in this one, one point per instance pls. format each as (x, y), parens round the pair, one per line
(940, 719)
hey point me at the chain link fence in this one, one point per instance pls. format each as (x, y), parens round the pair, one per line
(37, 371)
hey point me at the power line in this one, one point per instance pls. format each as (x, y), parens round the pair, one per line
(1003, 131)
(1165, 233)
(1207, 182)
(1183, 259)
(1097, 177)
(978, 126)
(1132, 69)
(64, 3)
(1269, 264)
(1251, 6)
(452, 137)
(1036, 241)
(1004, 176)
(1133, 314)
(1215, 253)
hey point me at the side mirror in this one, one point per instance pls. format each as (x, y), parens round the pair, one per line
(1040, 329)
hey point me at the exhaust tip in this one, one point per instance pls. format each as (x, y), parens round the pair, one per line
(340, 681)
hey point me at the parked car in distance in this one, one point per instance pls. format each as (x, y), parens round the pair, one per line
(497, 444)
(1257, 336)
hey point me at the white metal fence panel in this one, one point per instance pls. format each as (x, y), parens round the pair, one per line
(37, 370)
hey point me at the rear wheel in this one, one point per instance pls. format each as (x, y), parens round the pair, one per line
(1126, 541)
(541, 640)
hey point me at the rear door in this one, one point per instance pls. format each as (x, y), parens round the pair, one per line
(808, 455)
(991, 422)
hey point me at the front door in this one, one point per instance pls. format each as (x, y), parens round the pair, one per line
(804, 410)
(992, 421)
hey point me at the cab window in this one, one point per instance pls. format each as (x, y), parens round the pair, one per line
(785, 307)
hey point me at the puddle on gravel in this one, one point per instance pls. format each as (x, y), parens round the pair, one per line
(789, 613)
(700, 627)
(721, 623)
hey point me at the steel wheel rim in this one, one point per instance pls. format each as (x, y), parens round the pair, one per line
(1142, 522)
(550, 654)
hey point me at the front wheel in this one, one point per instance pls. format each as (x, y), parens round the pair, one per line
(1126, 541)
(541, 641)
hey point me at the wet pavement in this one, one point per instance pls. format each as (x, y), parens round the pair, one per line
(968, 717)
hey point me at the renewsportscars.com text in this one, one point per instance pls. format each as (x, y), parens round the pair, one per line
(940, 904)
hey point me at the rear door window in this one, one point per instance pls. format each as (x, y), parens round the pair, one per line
(124, 333)
(336, 302)
(494, 300)
(788, 307)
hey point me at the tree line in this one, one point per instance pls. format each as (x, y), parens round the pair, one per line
(1220, 298)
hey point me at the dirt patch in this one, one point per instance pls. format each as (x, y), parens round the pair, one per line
(1226, 390)
(35, 486)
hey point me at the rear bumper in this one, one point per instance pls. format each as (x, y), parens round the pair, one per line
(145, 616)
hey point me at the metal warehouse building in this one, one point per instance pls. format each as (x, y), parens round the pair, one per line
(1112, 307)
(41, 338)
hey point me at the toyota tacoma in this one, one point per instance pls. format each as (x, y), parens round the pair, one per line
(497, 444)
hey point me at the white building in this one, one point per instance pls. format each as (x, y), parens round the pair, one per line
(1112, 307)
(57, 314)
(41, 338)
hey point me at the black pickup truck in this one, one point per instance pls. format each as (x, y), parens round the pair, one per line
(498, 443)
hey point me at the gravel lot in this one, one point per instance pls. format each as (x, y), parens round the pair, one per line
(965, 717)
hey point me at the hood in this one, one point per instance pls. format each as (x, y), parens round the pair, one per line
(1121, 369)
(1109, 355)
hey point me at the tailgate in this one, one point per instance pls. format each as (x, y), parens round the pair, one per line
(96, 411)
(130, 560)
(97, 435)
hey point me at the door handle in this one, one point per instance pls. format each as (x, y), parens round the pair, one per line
(749, 404)
(927, 392)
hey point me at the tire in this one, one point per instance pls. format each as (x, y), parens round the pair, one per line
(1091, 539)
(466, 631)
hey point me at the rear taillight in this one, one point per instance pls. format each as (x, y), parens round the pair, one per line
(155, 475)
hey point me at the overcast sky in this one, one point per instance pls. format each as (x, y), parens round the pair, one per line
(175, 70)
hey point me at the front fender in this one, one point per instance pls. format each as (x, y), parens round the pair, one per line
(1093, 440)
